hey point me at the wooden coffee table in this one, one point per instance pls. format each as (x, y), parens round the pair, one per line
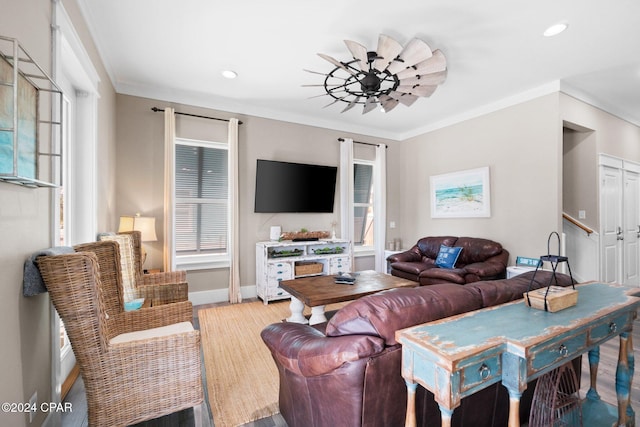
(318, 291)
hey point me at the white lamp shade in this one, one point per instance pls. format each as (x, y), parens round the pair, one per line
(146, 225)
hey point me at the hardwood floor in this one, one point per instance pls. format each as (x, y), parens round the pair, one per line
(606, 389)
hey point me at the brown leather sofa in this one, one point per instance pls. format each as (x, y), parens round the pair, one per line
(479, 259)
(347, 372)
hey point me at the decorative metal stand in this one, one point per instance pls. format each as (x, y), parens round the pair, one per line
(556, 401)
(554, 260)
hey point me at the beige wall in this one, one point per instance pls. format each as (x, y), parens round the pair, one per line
(24, 226)
(521, 145)
(25, 223)
(140, 172)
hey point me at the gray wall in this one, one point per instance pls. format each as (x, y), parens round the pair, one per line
(579, 149)
(25, 221)
(594, 132)
(24, 226)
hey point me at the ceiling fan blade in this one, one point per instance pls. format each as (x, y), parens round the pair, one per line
(317, 96)
(388, 103)
(415, 51)
(370, 105)
(387, 50)
(336, 63)
(426, 79)
(322, 85)
(359, 53)
(426, 90)
(314, 72)
(333, 102)
(351, 104)
(404, 98)
(434, 64)
(434, 78)
(333, 91)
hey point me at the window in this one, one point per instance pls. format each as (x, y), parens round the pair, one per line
(363, 204)
(363, 198)
(201, 203)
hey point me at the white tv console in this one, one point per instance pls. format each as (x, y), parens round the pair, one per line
(276, 261)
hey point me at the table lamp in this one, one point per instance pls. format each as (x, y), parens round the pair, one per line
(146, 225)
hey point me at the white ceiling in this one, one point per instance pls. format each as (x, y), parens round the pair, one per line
(496, 54)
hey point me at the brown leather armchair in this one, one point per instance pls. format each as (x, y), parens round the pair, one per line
(479, 259)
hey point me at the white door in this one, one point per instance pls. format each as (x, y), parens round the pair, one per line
(631, 221)
(611, 224)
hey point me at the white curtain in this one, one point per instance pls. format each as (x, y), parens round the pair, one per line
(169, 259)
(380, 207)
(346, 191)
(235, 296)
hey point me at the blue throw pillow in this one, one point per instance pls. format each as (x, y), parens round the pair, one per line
(448, 256)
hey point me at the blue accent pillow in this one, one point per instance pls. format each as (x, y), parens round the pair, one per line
(448, 256)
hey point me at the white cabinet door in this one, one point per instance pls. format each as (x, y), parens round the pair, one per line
(611, 224)
(340, 264)
(620, 222)
(631, 227)
(276, 272)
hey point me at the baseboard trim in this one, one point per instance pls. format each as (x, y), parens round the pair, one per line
(68, 382)
(220, 295)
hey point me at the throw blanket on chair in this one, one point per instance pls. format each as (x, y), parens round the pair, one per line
(32, 283)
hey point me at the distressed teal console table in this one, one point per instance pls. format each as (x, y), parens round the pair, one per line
(512, 343)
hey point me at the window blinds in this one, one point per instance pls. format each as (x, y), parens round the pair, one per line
(201, 216)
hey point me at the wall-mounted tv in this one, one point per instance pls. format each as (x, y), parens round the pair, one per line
(294, 187)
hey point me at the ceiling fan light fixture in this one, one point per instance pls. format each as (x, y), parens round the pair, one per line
(389, 76)
(556, 29)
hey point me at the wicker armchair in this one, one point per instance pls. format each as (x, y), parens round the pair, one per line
(160, 288)
(129, 376)
(107, 253)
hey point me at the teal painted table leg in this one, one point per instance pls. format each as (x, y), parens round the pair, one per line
(594, 360)
(514, 407)
(410, 419)
(631, 415)
(446, 415)
(624, 373)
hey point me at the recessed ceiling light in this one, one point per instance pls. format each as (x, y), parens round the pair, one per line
(229, 74)
(555, 29)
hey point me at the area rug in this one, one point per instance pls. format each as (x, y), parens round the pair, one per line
(242, 378)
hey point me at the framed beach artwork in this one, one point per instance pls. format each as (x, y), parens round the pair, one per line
(20, 159)
(463, 194)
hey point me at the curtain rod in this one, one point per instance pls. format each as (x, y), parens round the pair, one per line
(156, 109)
(365, 143)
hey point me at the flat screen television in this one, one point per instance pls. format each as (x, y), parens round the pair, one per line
(294, 187)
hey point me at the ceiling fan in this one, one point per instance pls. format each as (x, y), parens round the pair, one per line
(389, 76)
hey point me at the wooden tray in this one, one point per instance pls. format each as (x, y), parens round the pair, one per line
(558, 298)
